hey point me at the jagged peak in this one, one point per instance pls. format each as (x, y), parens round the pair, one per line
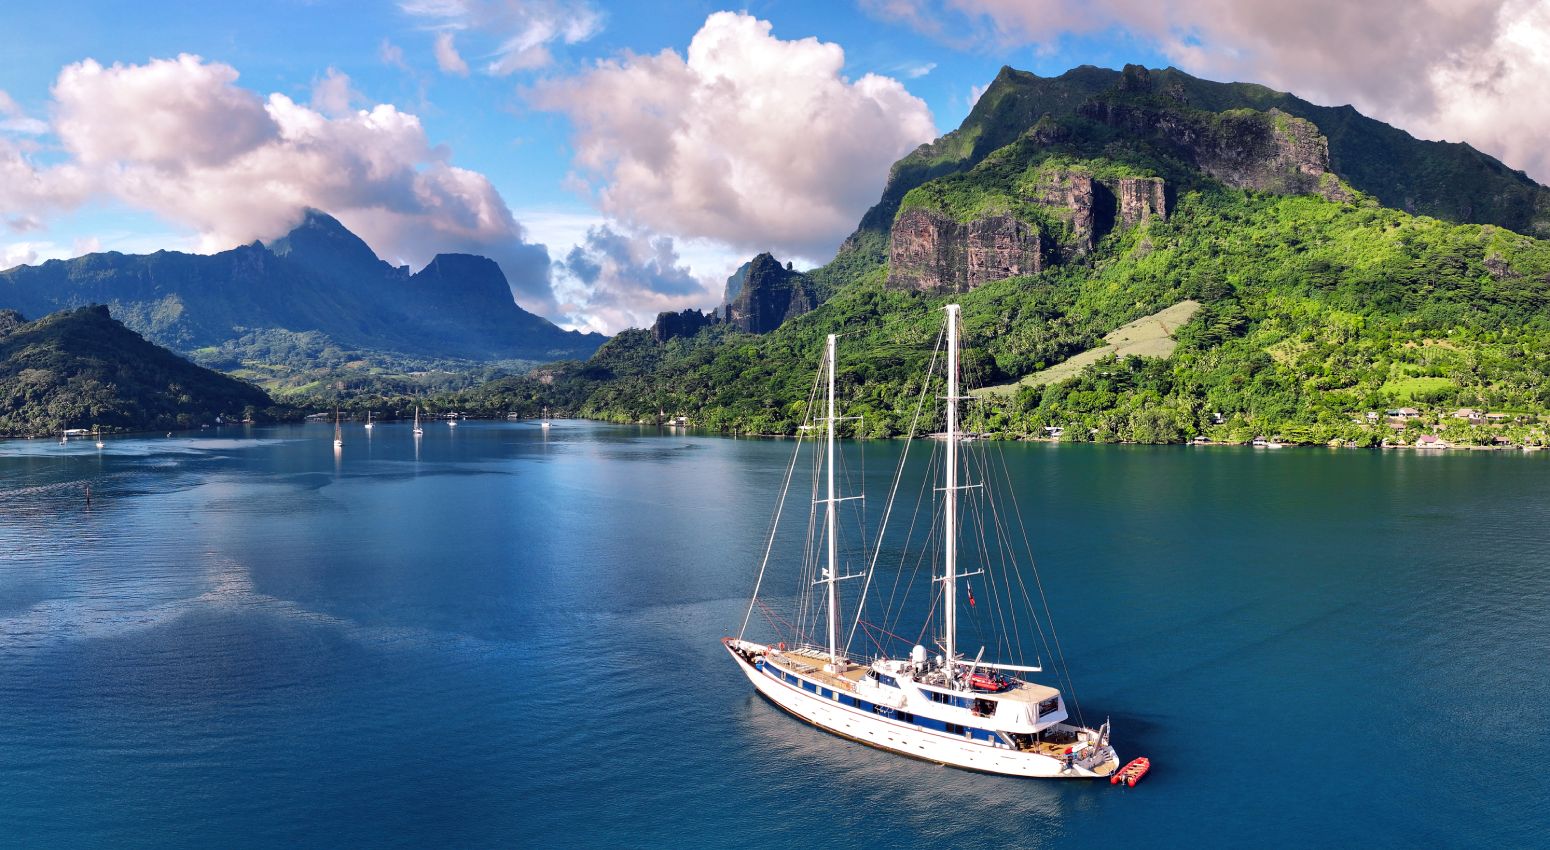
(321, 239)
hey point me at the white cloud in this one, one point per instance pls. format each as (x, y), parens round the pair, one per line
(1470, 69)
(976, 92)
(21, 254)
(749, 140)
(615, 279)
(392, 55)
(333, 95)
(522, 30)
(180, 139)
(447, 57)
(915, 72)
(14, 120)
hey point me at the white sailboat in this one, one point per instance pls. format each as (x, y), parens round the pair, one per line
(544, 422)
(417, 429)
(338, 436)
(368, 420)
(973, 713)
(97, 432)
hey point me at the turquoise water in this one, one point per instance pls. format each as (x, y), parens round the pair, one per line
(503, 639)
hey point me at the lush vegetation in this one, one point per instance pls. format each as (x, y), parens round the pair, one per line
(82, 369)
(1314, 313)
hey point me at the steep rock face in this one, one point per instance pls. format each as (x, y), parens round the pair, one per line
(930, 252)
(1140, 198)
(771, 294)
(735, 285)
(669, 324)
(1264, 151)
(1073, 197)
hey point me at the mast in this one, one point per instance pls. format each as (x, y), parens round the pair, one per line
(950, 523)
(833, 572)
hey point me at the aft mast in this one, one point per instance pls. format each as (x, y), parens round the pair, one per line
(950, 521)
(832, 573)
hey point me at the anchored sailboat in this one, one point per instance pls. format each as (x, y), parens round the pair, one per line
(368, 420)
(418, 431)
(967, 712)
(544, 423)
(338, 436)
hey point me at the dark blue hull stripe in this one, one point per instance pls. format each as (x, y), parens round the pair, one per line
(928, 723)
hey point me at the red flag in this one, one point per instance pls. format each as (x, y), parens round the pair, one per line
(970, 589)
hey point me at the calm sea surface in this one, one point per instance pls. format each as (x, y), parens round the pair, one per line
(503, 639)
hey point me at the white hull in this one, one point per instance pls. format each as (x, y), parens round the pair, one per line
(910, 740)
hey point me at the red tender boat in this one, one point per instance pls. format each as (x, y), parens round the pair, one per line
(987, 682)
(1131, 773)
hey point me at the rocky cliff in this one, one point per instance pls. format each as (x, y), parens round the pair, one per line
(930, 252)
(687, 323)
(770, 295)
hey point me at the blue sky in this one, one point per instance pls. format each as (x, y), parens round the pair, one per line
(501, 132)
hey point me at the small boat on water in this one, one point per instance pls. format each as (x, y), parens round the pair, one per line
(97, 432)
(418, 431)
(338, 436)
(1131, 773)
(368, 420)
(544, 422)
(969, 711)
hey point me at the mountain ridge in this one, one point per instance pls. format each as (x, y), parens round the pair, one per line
(320, 278)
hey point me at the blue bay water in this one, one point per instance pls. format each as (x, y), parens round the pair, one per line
(507, 639)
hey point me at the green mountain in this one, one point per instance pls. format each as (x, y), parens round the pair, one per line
(318, 295)
(1450, 181)
(1069, 212)
(83, 369)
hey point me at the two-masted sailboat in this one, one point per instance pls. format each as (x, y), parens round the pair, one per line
(946, 706)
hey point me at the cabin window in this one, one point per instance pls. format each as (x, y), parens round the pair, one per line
(1049, 706)
(984, 707)
(955, 729)
(887, 680)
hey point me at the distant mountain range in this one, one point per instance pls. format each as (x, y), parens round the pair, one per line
(317, 287)
(83, 369)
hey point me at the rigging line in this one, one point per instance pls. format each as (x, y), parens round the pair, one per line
(775, 522)
(893, 490)
(896, 604)
(1009, 561)
(780, 506)
(1039, 582)
(985, 516)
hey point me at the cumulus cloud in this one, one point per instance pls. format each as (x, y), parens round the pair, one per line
(447, 57)
(523, 30)
(616, 279)
(179, 138)
(1438, 68)
(746, 139)
(333, 95)
(14, 120)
